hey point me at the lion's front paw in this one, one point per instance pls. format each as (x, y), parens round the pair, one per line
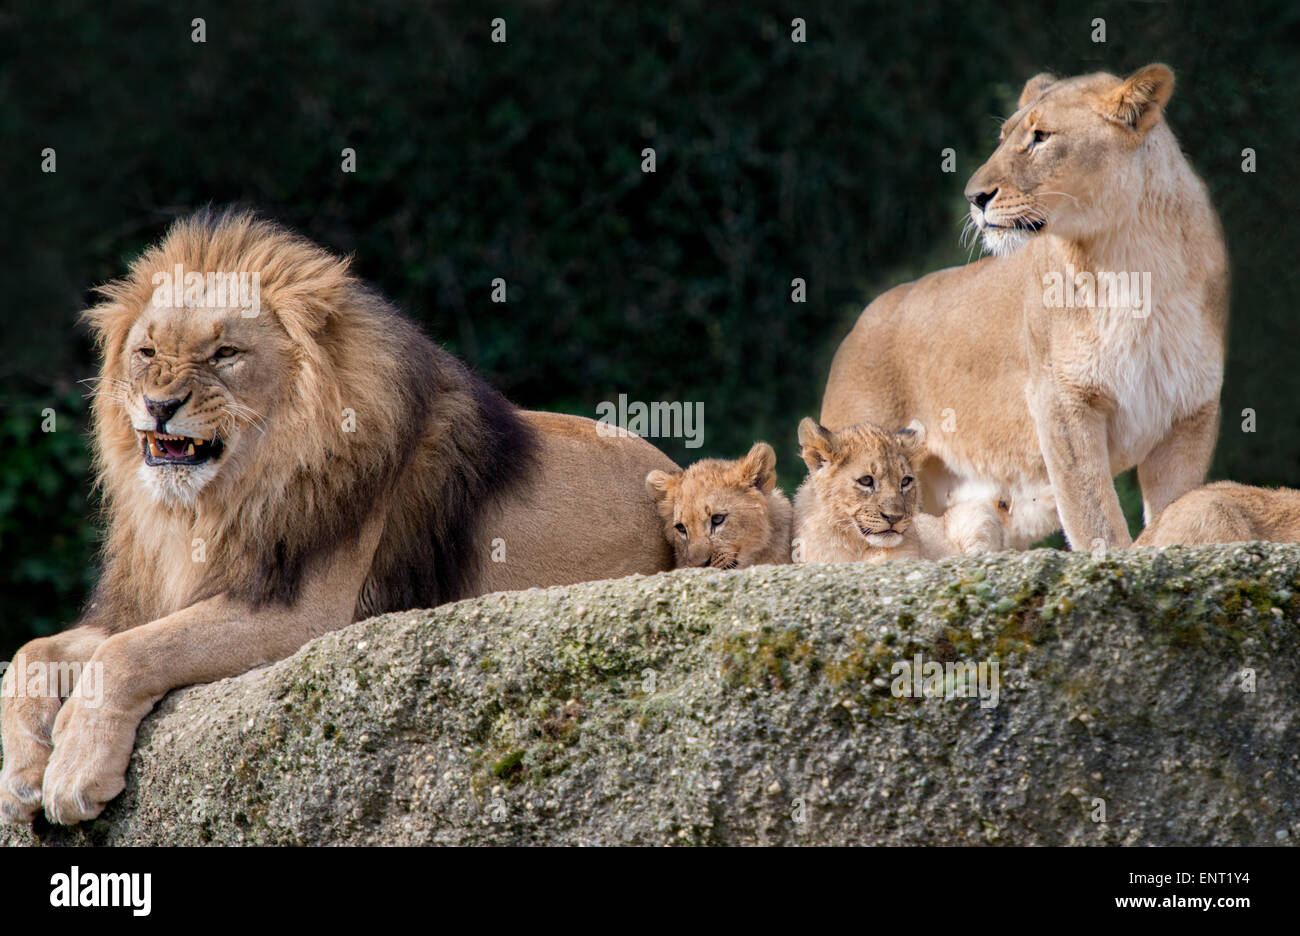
(20, 793)
(92, 748)
(26, 740)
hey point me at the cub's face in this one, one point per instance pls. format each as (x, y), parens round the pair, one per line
(863, 478)
(199, 387)
(717, 513)
(1068, 159)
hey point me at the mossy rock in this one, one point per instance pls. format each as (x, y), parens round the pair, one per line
(1145, 697)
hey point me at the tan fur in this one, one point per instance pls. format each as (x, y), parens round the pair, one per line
(364, 470)
(860, 501)
(725, 514)
(584, 516)
(1047, 404)
(1227, 512)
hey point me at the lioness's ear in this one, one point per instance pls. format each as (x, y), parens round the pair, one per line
(912, 439)
(758, 468)
(1034, 87)
(816, 443)
(659, 484)
(1141, 99)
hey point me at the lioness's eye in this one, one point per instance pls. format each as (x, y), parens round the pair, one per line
(145, 352)
(1041, 135)
(867, 482)
(718, 518)
(907, 482)
(225, 351)
(680, 528)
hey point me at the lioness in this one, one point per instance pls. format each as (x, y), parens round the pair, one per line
(860, 500)
(1227, 512)
(275, 470)
(725, 514)
(1039, 387)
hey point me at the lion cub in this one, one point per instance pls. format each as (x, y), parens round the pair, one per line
(1227, 512)
(725, 514)
(859, 501)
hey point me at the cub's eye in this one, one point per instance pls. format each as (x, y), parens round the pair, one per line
(145, 352)
(718, 518)
(680, 528)
(1041, 135)
(867, 482)
(907, 482)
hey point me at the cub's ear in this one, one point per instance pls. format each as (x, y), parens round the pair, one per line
(1141, 99)
(816, 443)
(1034, 87)
(661, 485)
(912, 439)
(758, 468)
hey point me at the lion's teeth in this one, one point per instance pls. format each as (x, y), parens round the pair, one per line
(153, 448)
(190, 449)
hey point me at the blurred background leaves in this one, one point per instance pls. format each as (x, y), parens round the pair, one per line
(478, 160)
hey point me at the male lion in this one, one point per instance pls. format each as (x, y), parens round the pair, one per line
(1044, 377)
(273, 473)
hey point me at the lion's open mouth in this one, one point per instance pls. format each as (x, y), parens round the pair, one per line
(158, 448)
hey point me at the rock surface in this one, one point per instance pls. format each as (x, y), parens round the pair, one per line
(1146, 698)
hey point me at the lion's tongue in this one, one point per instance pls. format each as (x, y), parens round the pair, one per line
(174, 447)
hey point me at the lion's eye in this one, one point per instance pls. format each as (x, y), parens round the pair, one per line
(225, 351)
(867, 482)
(680, 528)
(1041, 135)
(718, 518)
(907, 482)
(145, 352)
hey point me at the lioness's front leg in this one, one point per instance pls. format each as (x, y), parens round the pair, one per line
(1072, 438)
(1180, 461)
(207, 641)
(29, 702)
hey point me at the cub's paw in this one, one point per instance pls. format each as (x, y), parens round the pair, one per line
(92, 748)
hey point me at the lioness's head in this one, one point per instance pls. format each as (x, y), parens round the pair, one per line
(863, 478)
(717, 513)
(1068, 159)
(211, 346)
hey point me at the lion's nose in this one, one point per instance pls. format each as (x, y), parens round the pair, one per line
(891, 519)
(981, 198)
(163, 410)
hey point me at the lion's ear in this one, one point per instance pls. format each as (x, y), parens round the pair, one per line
(816, 444)
(758, 468)
(912, 438)
(660, 484)
(1034, 87)
(1141, 99)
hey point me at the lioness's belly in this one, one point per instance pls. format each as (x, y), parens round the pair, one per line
(939, 350)
(584, 515)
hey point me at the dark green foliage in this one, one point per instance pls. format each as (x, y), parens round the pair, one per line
(522, 161)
